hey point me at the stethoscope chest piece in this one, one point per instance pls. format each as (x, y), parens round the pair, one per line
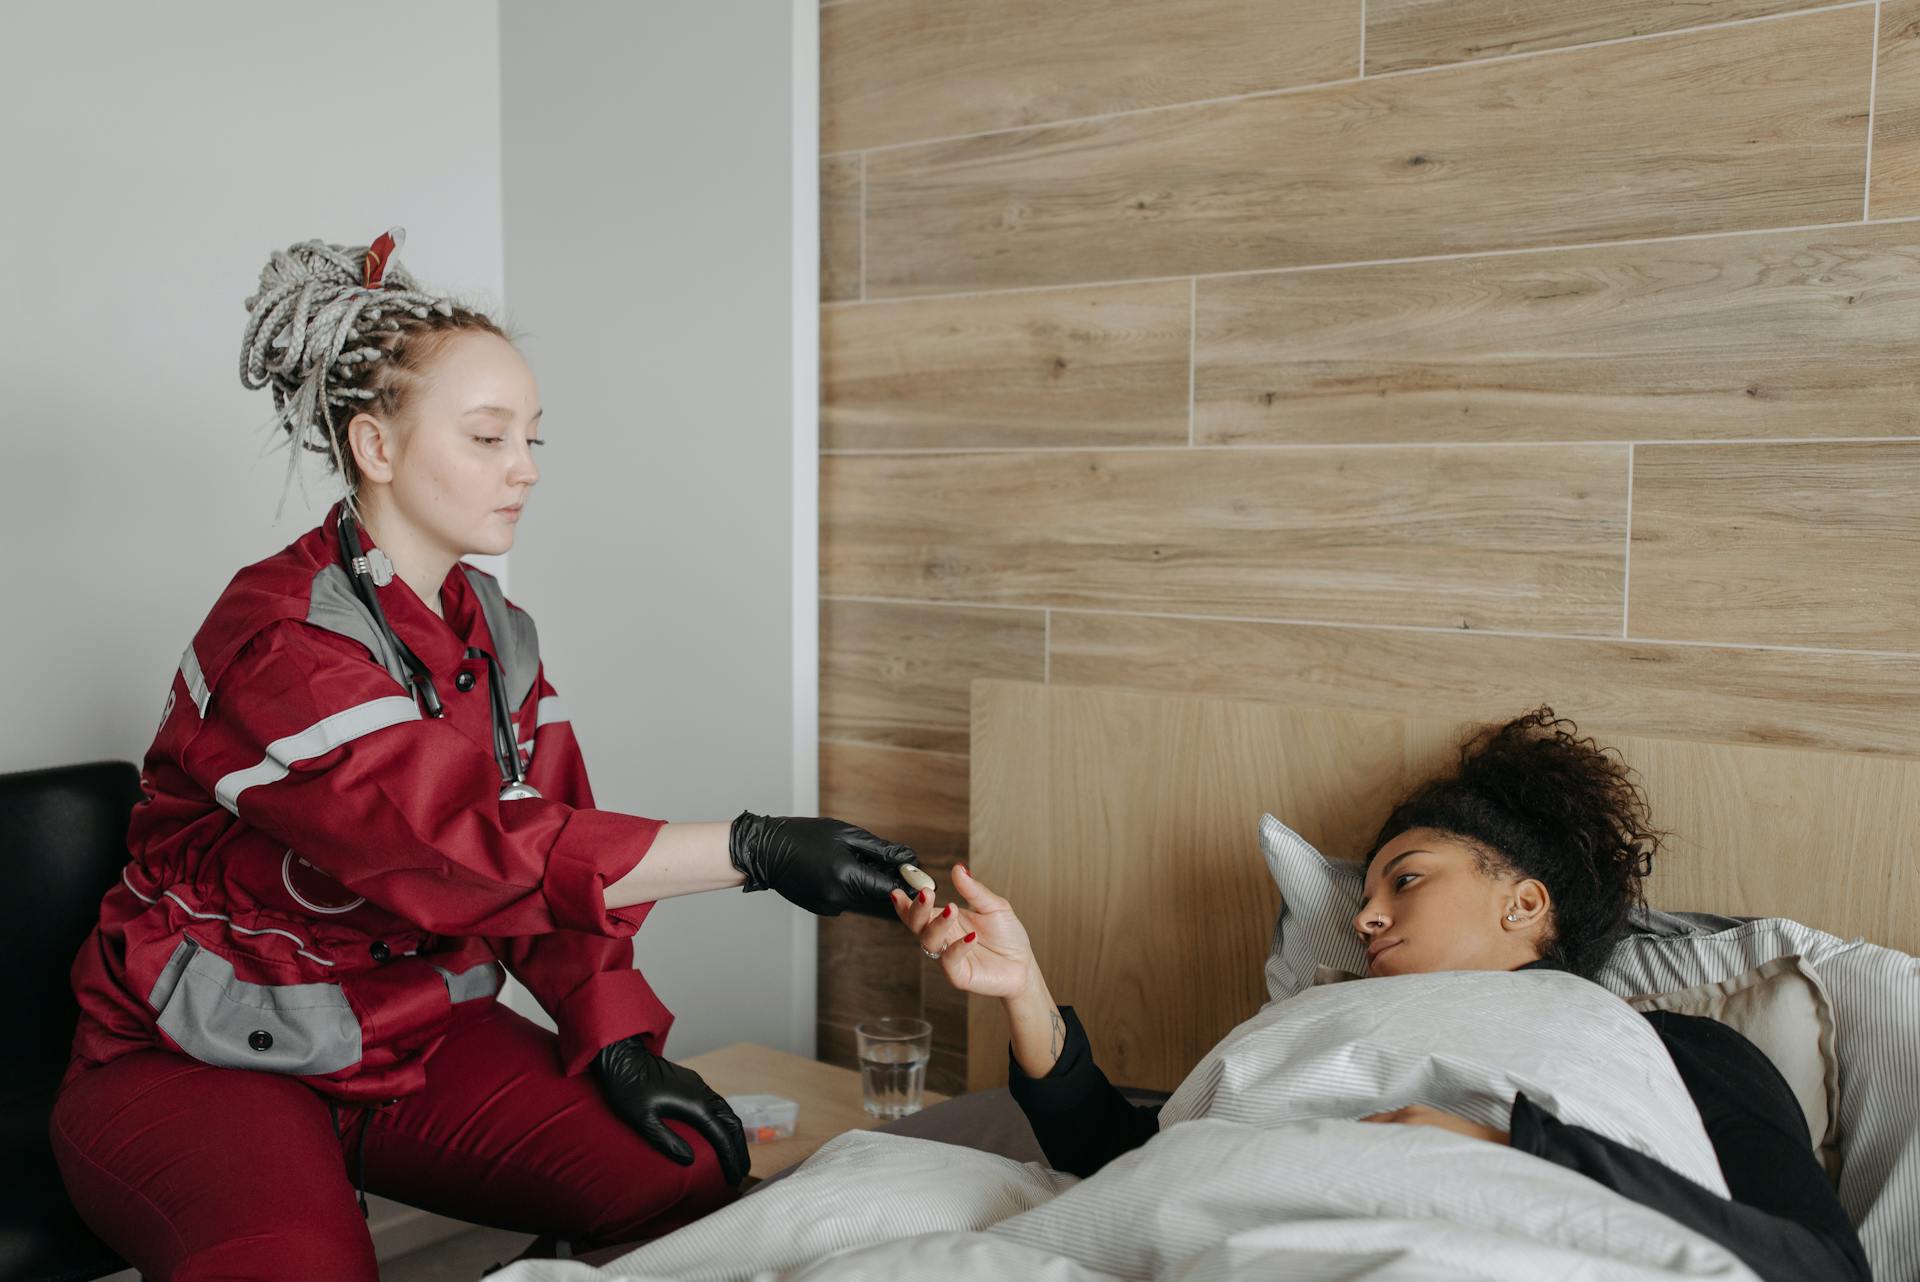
(519, 790)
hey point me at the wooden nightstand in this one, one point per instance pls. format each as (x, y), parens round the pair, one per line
(829, 1098)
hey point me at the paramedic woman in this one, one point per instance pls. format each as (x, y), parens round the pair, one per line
(363, 801)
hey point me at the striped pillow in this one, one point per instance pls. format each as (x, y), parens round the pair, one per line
(1874, 991)
(1875, 995)
(1318, 898)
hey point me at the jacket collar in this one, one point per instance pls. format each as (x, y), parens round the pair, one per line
(442, 644)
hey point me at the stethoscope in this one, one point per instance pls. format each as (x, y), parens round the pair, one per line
(370, 571)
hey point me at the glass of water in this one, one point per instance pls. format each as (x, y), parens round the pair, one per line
(893, 1065)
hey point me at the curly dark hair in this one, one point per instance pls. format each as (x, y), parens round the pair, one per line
(1535, 800)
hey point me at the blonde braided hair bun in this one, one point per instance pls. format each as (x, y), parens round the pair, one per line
(330, 347)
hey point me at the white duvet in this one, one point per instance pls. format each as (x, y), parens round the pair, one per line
(1262, 1171)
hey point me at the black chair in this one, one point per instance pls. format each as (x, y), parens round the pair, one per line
(63, 835)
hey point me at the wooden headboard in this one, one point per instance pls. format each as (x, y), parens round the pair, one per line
(1123, 826)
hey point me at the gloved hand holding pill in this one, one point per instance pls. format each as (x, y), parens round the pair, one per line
(822, 865)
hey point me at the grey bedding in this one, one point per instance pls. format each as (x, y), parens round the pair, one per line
(1259, 1167)
(988, 1121)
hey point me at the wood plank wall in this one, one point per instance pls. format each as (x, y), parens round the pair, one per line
(1432, 356)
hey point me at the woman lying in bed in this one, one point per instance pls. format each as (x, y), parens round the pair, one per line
(1527, 856)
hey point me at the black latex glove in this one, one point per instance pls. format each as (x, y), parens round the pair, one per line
(821, 865)
(647, 1091)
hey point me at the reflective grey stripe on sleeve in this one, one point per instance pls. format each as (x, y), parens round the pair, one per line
(472, 984)
(549, 711)
(321, 737)
(195, 679)
(223, 1020)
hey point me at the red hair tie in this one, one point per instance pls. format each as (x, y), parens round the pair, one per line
(380, 253)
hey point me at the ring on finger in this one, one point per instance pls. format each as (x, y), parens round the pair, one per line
(931, 956)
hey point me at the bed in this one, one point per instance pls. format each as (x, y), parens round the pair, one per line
(1122, 825)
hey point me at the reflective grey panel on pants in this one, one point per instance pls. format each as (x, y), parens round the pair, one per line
(223, 1020)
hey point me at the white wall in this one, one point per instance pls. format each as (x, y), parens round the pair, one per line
(156, 154)
(659, 212)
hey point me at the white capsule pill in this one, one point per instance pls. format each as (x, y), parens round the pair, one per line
(915, 878)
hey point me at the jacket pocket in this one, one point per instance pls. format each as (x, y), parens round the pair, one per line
(220, 1019)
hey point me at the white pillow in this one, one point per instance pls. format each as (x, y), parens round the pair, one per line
(1782, 1008)
(1318, 899)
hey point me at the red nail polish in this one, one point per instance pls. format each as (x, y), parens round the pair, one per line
(971, 936)
(926, 896)
(947, 911)
(962, 868)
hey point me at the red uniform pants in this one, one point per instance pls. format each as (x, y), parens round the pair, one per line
(195, 1172)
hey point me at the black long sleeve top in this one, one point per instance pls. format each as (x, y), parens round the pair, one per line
(1782, 1220)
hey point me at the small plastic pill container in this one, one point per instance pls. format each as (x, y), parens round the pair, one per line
(765, 1118)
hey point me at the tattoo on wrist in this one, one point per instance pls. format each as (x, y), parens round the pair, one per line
(1059, 1034)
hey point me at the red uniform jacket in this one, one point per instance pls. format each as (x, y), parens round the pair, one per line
(322, 877)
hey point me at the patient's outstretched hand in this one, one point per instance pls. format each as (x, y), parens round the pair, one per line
(983, 948)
